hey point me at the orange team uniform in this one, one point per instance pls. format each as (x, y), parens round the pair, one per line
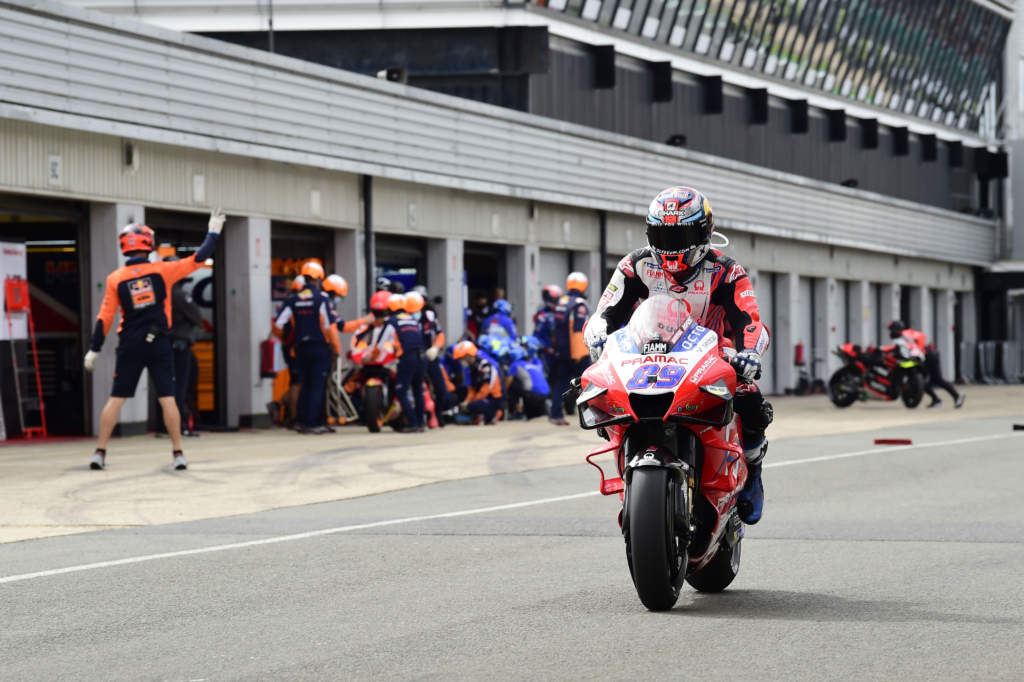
(142, 292)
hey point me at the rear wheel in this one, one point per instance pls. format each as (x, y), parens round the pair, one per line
(720, 571)
(844, 387)
(373, 398)
(913, 389)
(656, 559)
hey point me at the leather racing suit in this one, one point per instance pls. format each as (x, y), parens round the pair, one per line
(721, 299)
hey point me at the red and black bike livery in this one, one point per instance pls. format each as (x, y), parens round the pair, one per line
(890, 373)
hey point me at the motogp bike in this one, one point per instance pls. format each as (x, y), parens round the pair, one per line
(662, 394)
(891, 373)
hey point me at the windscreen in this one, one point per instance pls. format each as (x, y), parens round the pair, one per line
(658, 323)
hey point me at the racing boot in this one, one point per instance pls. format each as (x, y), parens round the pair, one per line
(751, 498)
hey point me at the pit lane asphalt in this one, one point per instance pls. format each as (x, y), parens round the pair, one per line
(894, 563)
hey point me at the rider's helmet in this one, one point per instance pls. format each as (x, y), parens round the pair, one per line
(501, 306)
(551, 293)
(312, 269)
(396, 303)
(299, 283)
(414, 302)
(679, 228)
(379, 303)
(896, 328)
(136, 237)
(576, 281)
(336, 284)
(659, 323)
(464, 351)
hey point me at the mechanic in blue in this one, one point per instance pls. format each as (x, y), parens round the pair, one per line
(570, 355)
(679, 261)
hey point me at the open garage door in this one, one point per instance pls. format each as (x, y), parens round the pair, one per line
(180, 234)
(48, 235)
(401, 259)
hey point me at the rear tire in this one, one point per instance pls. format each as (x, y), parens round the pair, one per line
(720, 571)
(913, 390)
(840, 387)
(373, 398)
(655, 559)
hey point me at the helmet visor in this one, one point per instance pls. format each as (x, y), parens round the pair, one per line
(679, 237)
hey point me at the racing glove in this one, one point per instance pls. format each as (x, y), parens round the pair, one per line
(216, 223)
(596, 331)
(432, 353)
(90, 360)
(747, 364)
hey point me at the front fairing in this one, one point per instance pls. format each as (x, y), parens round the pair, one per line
(688, 383)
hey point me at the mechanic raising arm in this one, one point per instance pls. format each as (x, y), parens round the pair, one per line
(680, 262)
(142, 291)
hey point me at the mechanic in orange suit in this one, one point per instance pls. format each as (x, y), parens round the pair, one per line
(142, 292)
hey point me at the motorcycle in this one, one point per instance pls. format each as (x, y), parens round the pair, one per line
(661, 393)
(375, 372)
(890, 373)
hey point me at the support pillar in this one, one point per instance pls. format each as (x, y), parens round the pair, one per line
(589, 263)
(350, 263)
(247, 314)
(105, 223)
(889, 310)
(859, 313)
(787, 310)
(446, 278)
(945, 339)
(920, 311)
(968, 317)
(522, 265)
(826, 327)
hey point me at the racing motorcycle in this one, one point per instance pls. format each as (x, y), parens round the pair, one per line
(662, 393)
(375, 373)
(890, 373)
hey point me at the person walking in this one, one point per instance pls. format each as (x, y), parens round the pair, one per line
(141, 290)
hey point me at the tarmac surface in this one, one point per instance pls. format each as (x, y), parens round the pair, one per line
(487, 552)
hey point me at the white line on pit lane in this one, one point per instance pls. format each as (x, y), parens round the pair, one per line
(446, 515)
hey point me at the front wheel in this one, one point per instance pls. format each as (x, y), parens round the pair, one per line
(656, 559)
(913, 390)
(720, 571)
(373, 398)
(844, 387)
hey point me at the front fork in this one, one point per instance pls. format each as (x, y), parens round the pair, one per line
(668, 447)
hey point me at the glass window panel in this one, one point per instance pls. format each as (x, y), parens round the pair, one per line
(817, 61)
(847, 21)
(723, 23)
(792, 42)
(695, 24)
(853, 49)
(865, 85)
(750, 34)
(771, 28)
(591, 10)
(665, 19)
(892, 51)
(677, 34)
(734, 36)
(808, 35)
(706, 30)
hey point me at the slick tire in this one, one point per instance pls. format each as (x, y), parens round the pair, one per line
(720, 571)
(374, 399)
(651, 547)
(840, 387)
(913, 390)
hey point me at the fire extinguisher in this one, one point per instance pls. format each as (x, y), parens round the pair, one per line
(268, 347)
(798, 354)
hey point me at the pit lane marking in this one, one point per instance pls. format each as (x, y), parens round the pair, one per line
(446, 515)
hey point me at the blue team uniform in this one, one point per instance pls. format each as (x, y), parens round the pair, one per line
(409, 335)
(313, 319)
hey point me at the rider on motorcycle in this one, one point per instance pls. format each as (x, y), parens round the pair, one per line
(679, 261)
